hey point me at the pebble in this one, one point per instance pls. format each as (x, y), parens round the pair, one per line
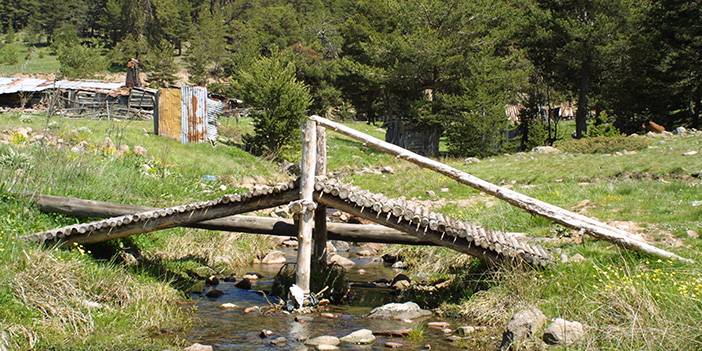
(399, 265)
(393, 345)
(228, 306)
(244, 284)
(279, 341)
(438, 325)
(251, 309)
(323, 340)
(198, 347)
(265, 333)
(214, 293)
(252, 276)
(692, 234)
(303, 319)
(212, 281)
(465, 330)
(690, 153)
(329, 315)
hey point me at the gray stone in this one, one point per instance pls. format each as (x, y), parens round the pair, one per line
(214, 293)
(692, 234)
(470, 160)
(680, 130)
(690, 153)
(563, 332)
(341, 246)
(274, 257)
(545, 150)
(522, 325)
(431, 193)
(363, 336)
(465, 330)
(399, 311)
(244, 284)
(365, 253)
(399, 265)
(323, 340)
(265, 333)
(325, 347)
(387, 169)
(228, 306)
(393, 345)
(340, 260)
(279, 341)
(198, 347)
(577, 258)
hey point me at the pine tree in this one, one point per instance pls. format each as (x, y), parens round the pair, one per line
(161, 68)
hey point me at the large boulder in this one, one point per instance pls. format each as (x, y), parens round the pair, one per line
(399, 311)
(274, 257)
(340, 260)
(363, 336)
(563, 332)
(523, 324)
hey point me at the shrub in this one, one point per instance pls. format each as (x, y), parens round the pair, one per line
(279, 101)
(601, 126)
(603, 145)
(78, 61)
(9, 54)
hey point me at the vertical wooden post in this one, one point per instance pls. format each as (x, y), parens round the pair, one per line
(319, 255)
(304, 237)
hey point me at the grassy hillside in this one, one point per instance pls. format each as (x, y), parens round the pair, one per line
(627, 300)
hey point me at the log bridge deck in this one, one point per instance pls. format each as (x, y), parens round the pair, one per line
(404, 216)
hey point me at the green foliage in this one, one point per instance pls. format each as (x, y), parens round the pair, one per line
(601, 126)
(9, 54)
(206, 53)
(79, 61)
(603, 144)
(280, 104)
(160, 65)
(132, 46)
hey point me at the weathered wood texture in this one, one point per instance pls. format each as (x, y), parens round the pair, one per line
(238, 224)
(151, 220)
(567, 218)
(304, 238)
(416, 220)
(319, 235)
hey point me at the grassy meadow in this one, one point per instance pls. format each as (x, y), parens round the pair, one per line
(627, 300)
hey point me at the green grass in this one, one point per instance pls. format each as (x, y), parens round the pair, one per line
(628, 300)
(32, 60)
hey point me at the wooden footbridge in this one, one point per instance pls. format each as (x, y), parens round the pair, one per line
(397, 220)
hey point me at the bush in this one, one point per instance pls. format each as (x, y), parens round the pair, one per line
(279, 101)
(78, 61)
(603, 145)
(601, 126)
(9, 54)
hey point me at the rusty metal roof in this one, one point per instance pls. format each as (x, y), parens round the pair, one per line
(9, 85)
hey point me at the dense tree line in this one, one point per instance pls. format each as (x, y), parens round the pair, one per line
(446, 64)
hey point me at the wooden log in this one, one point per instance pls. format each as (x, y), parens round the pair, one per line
(152, 220)
(567, 218)
(319, 235)
(238, 224)
(304, 238)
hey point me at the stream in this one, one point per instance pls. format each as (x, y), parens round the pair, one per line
(235, 330)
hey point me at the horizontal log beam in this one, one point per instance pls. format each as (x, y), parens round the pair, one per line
(373, 233)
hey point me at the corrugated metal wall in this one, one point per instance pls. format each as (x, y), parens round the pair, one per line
(193, 114)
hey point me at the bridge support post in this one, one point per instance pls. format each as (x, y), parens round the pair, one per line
(304, 238)
(319, 254)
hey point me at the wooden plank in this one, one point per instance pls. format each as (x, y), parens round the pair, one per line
(373, 233)
(567, 218)
(304, 248)
(319, 236)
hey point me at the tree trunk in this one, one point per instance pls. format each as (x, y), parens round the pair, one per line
(583, 91)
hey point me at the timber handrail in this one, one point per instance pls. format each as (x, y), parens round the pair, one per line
(559, 215)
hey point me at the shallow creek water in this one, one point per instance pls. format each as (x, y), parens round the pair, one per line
(234, 330)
